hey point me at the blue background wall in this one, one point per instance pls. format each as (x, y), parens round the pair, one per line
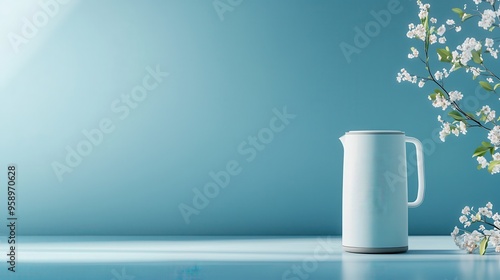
(227, 73)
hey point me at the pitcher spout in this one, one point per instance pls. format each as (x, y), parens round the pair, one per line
(342, 140)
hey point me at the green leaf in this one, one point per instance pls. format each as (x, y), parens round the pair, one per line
(487, 86)
(492, 165)
(466, 17)
(491, 28)
(444, 55)
(483, 245)
(480, 151)
(486, 144)
(476, 57)
(459, 12)
(495, 87)
(456, 115)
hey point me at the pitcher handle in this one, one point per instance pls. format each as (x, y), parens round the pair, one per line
(420, 170)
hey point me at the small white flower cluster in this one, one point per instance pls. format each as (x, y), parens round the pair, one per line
(470, 241)
(483, 162)
(440, 32)
(448, 128)
(488, 19)
(440, 101)
(403, 75)
(417, 31)
(424, 10)
(486, 114)
(451, 23)
(455, 96)
(413, 54)
(488, 43)
(466, 48)
(494, 135)
(467, 241)
(440, 75)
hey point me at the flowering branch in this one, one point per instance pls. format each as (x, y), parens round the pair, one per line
(469, 56)
(482, 237)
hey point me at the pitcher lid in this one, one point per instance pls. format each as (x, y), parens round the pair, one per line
(375, 132)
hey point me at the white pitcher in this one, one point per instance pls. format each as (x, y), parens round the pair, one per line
(375, 191)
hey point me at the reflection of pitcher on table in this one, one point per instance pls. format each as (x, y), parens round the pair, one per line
(375, 191)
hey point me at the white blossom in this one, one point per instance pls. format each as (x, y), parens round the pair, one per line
(487, 19)
(455, 96)
(496, 217)
(463, 219)
(484, 211)
(494, 135)
(432, 39)
(475, 71)
(413, 54)
(469, 45)
(403, 75)
(438, 75)
(482, 161)
(445, 73)
(488, 42)
(440, 101)
(496, 169)
(450, 22)
(418, 32)
(441, 30)
(442, 40)
(445, 129)
(463, 128)
(487, 113)
(424, 10)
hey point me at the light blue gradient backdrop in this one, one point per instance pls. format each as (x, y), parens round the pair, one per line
(225, 79)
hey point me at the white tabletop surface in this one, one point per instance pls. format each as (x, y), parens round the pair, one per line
(219, 258)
